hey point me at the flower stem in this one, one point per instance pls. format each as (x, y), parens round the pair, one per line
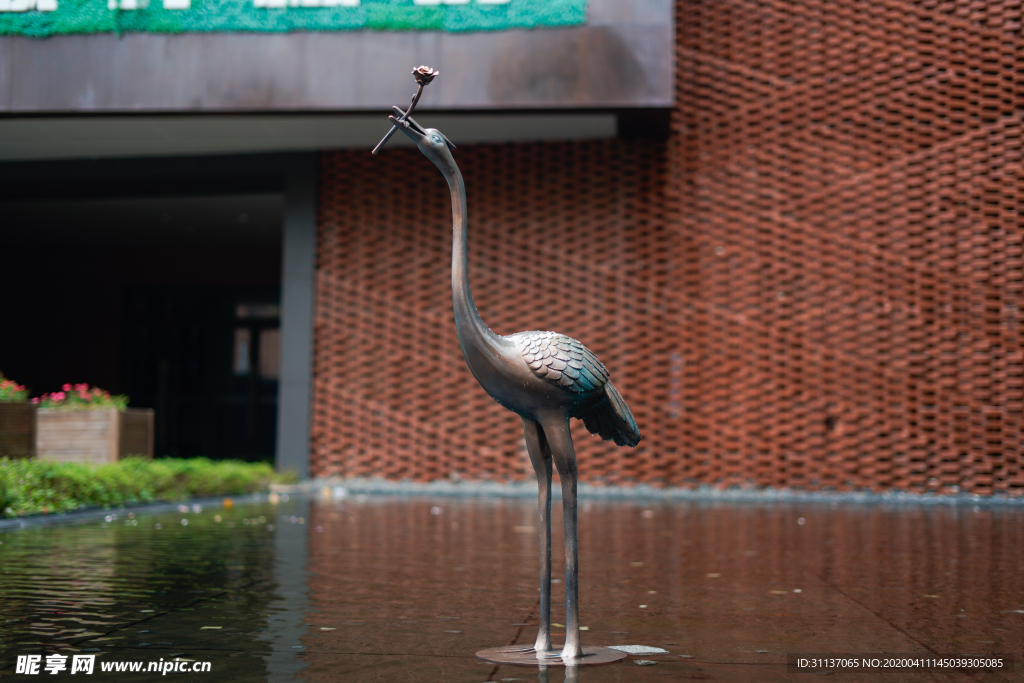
(415, 99)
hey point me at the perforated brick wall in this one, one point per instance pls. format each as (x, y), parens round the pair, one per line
(814, 282)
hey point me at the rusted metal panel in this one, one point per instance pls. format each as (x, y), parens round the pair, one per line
(622, 58)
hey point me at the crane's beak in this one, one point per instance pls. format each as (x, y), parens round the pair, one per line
(409, 127)
(416, 128)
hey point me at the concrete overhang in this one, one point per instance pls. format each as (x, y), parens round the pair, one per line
(82, 137)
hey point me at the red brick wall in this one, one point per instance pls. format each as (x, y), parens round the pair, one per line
(815, 282)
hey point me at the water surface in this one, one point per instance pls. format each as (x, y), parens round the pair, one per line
(393, 589)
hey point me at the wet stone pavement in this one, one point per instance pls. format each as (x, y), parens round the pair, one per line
(408, 589)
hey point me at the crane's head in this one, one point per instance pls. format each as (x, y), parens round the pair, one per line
(432, 142)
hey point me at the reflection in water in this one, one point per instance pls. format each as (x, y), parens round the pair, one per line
(728, 583)
(288, 605)
(571, 673)
(366, 589)
(147, 587)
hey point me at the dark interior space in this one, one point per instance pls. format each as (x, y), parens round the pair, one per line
(643, 124)
(163, 289)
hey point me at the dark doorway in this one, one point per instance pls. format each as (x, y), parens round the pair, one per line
(208, 360)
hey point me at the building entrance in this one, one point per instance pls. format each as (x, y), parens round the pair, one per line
(163, 284)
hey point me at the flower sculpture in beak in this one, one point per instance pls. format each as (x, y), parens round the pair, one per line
(403, 119)
(424, 74)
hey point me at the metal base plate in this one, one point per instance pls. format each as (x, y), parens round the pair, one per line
(525, 655)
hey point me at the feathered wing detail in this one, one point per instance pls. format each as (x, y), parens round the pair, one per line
(611, 419)
(566, 362)
(561, 360)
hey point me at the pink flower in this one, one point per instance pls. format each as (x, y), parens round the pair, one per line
(81, 387)
(83, 394)
(58, 395)
(35, 400)
(66, 387)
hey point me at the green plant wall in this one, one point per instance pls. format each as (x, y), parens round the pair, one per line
(38, 18)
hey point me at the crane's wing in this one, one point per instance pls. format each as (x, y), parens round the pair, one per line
(561, 360)
(564, 361)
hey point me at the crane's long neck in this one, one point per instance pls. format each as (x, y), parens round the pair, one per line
(474, 335)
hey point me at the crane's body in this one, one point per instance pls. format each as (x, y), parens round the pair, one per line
(544, 377)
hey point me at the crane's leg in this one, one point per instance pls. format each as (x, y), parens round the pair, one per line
(556, 429)
(540, 456)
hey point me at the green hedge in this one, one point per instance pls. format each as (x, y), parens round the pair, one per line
(38, 486)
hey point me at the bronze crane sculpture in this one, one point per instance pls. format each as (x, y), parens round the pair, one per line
(545, 378)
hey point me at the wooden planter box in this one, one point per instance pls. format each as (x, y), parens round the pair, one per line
(17, 430)
(93, 436)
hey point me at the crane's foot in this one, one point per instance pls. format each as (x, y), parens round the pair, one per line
(571, 652)
(519, 655)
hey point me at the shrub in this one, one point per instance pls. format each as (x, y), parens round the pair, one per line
(6, 498)
(81, 397)
(11, 391)
(40, 486)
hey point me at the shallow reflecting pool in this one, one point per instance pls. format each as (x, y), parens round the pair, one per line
(400, 589)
